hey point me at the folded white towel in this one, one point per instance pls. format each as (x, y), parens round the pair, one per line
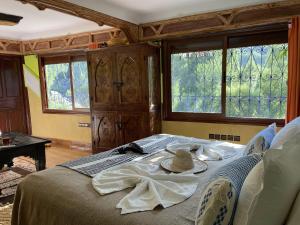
(152, 186)
(217, 151)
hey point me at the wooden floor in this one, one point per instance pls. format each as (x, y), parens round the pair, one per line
(58, 154)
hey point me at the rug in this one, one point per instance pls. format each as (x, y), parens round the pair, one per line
(9, 179)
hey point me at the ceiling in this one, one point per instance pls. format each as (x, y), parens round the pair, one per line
(142, 11)
(41, 24)
(38, 24)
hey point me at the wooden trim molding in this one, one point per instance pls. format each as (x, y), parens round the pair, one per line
(10, 47)
(226, 20)
(233, 19)
(58, 44)
(130, 29)
(68, 42)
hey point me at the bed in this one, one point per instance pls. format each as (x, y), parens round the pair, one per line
(64, 196)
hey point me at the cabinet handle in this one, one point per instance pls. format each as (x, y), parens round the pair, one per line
(118, 84)
(119, 125)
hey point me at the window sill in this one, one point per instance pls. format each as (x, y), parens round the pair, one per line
(56, 111)
(219, 118)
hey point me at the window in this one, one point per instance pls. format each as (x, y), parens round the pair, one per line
(65, 86)
(256, 81)
(196, 81)
(240, 78)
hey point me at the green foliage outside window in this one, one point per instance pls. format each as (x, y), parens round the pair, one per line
(256, 81)
(59, 88)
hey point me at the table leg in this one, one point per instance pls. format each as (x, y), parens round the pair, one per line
(40, 159)
(10, 163)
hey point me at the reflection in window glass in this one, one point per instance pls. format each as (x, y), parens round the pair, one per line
(196, 81)
(58, 86)
(256, 81)
(80, 84)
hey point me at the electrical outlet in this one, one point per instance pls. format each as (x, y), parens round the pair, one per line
(223, 137)
(81, 124)
(237, 138)
(218, 136)
(230, 137)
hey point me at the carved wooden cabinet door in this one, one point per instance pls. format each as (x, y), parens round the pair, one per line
(101, 78)
(104, 130)
(129, 77)
(133, 126)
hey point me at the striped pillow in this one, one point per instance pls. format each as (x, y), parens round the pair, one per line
(219, 199)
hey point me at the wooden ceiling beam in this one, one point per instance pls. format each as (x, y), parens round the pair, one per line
(130, 29)
(219, 21)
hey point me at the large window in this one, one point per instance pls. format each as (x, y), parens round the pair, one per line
(241, 78)
(65, 86)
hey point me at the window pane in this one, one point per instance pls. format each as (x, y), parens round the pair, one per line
(196, 81)
(257, 81)
(80, 84)
(58, 86)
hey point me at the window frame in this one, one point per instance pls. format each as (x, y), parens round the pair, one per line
(273, 34)
(66, 57)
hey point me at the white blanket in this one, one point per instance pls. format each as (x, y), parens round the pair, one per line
(153, 187)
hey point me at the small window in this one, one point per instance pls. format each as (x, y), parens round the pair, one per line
(65, 81)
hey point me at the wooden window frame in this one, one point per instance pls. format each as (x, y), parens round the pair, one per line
(272, 34)
(66, 57)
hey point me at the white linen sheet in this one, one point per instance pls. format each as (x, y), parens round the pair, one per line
(153, 186)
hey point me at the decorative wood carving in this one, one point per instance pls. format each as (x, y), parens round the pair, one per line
(130, 78)
(103, 79)
(130, 29)
(238, 18)
(69, 42)
(128, 95)
(134, 126)
(105, 129)
(10, 47)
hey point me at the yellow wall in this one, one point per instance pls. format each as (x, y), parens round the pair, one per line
(201, 130)
(62, 126)
(59, 126)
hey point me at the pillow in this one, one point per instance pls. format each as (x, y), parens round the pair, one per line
(281, 184)
(261, 141)
(218, 201)
(250, 189)
(286, 133)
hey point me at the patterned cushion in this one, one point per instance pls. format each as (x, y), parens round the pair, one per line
(217, 203)
(219, 199)
(261, 141)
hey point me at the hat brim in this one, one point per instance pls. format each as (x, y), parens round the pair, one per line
(199, 166)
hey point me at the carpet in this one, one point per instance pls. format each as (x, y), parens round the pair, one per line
(9, 179)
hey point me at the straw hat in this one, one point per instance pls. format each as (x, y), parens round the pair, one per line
(183, 161)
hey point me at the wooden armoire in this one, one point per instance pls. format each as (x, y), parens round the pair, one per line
(125, 95)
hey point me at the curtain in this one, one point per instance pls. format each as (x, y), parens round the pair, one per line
(293, 96)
